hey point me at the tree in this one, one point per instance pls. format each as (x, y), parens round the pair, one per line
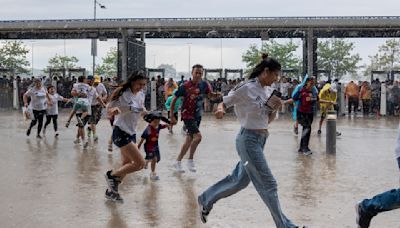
(62, 62)
(373, 65)
(13, 56)
(389, 55)
(109, 65)
(335, 55)
(284, 53)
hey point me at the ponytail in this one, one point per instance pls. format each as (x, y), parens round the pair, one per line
(266, 62)
(135, 76)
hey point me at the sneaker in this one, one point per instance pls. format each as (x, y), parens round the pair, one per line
(154, 177)
(77, 141)
(178, 167)
(203, 212)
(38, 137)
(67, 124)
(95, 138)
(28, 132)
(319, 132)
(296, 130)
(86, 145)
(307, 152)
(56, 135)
(363, 219)
(191, 166)
(338, 133)
(110, 147)
(110, 195)
(112, 181)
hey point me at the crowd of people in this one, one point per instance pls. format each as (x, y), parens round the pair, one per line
(256, 103)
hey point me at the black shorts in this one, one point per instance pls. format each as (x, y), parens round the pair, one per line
(96, 114)
(192, 126)
(151, 154)
(85, 120)
(120, 138)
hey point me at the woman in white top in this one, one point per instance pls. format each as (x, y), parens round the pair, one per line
(39, 100)
(52, 110)
(127, 104)
(250, 102)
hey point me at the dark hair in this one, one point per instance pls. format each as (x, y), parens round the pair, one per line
(81, 78)
(135, 76)
(49, 87)
(266, 62)
(197, 66)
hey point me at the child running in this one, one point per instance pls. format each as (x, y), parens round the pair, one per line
(150, 135)
(80, 92)
(178, 104)
(127, 104)
(52, 110)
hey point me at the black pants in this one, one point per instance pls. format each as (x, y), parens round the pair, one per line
(48, 120)
(305, 120)
(38, 114)
(366, 105)
(353, 101)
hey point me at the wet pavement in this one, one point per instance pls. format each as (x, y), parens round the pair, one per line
(54, 183)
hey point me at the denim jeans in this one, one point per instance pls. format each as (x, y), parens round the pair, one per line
(386, 201)
(251, 167)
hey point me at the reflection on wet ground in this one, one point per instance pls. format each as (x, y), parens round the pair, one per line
(52, 182)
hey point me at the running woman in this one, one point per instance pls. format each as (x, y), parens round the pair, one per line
(127, 104)
(52, 110)
(150, 135)
(250, 102)
(81, 102)
(193, 93)
(39, 101)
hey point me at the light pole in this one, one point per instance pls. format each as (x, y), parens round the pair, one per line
(154, 60)
(221, 56)
(94, 41)
(189, 60)
(33, 42)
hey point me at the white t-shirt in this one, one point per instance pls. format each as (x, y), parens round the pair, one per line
(284, 88)
(101, 91)
(249, 99)
(38, 98)
(127, 121)
(81, 87)
(53, 109)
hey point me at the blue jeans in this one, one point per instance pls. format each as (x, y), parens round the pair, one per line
(386, 201)
(251, 167)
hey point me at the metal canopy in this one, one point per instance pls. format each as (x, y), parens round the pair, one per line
(232, 27)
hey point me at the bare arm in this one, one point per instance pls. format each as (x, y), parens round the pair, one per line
(219, 114)
(140, 143)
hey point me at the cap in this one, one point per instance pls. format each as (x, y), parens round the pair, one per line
(90, 77)
(154, 116)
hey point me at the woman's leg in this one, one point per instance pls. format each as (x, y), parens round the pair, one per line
(252, 151)
(48, 120)
(132, 161)
(40, 121)
(55, 125)
(153, 164)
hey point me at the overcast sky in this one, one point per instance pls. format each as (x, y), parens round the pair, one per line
(176, 52)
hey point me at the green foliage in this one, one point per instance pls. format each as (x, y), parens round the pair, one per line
(109, 66)
(13, 56)
(62, 62)
(387, 58)
(335, 55)
(284, 53)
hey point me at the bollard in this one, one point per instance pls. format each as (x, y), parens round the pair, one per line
(331, 132)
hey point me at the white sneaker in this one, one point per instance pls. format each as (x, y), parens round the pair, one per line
(154, 177)
(178, 167)
(191, 166)
(77, 141)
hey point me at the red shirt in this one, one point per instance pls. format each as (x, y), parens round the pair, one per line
(150, 134)
(306, 106)
(192, 94)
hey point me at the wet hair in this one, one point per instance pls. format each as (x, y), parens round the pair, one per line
(81, 78)
(49, 87)
(197, 66)
(267, 62)
(135, 76)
